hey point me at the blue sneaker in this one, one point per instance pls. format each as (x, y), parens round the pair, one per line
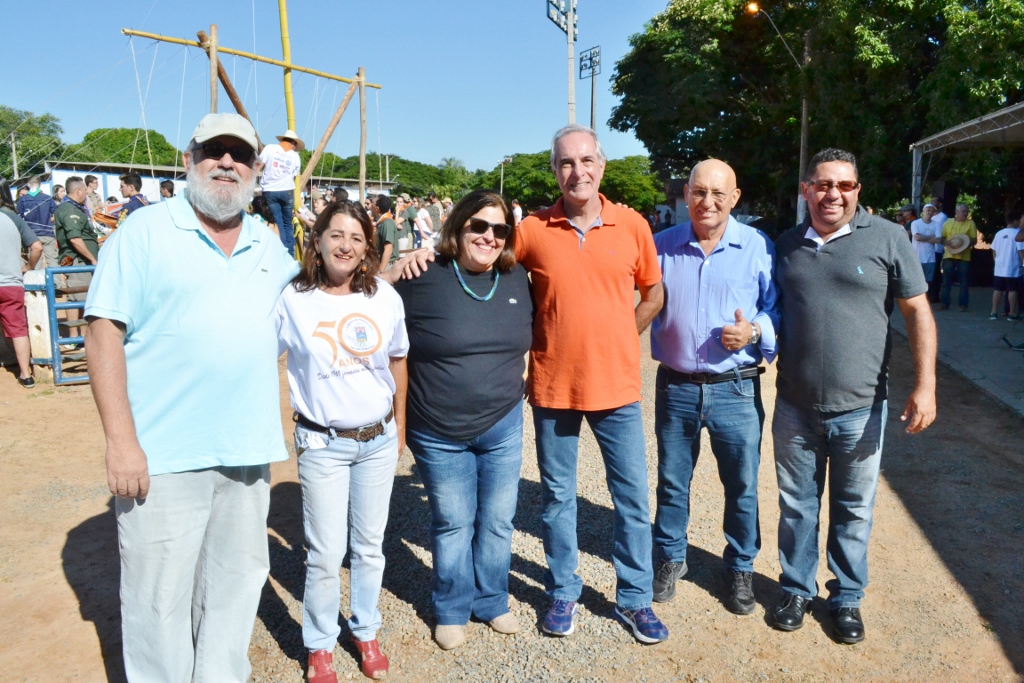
(646, 626)
(558, 620)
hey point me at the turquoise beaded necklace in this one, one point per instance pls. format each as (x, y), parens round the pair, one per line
(469, 291)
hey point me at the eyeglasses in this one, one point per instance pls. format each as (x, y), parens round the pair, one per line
(827, 185)
(717, 195)
(479, 226)
(242, 154)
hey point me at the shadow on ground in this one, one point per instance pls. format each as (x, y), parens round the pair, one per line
(407, 577)
(93, 570)
(971, 509)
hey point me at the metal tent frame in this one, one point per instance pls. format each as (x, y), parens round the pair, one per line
(1003, 128)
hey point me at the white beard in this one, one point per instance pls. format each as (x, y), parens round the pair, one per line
(218, 203)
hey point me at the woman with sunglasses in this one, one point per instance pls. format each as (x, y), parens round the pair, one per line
(470, 322)
(344, 331)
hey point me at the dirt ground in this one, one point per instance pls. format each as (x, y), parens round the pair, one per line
(944, 603)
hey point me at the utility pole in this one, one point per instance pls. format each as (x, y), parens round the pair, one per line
(590, 67)
(572, 63)
(563, 14)
(14, 155)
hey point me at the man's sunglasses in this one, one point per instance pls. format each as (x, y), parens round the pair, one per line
(243, 154)
(479, 226)
(842, 185)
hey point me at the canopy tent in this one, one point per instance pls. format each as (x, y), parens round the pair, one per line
(1004, 128)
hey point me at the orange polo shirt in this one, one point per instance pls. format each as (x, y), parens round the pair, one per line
(586, 350)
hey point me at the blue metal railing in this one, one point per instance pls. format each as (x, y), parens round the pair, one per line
(56, 341)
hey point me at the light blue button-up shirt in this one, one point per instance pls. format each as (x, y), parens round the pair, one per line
(702, 293)
(201, 342)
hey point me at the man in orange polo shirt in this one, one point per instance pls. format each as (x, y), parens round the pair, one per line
(585, 255)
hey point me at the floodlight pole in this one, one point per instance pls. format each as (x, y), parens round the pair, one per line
(572, 64)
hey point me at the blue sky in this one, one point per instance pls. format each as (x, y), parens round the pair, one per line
(473, 80)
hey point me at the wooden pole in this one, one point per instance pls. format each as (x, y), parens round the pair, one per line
(362, 134)
(243, 53)
(38, 315)
(213, 68)
(318, 152)
(222, 73)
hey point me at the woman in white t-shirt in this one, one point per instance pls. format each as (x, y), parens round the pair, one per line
(344, 331)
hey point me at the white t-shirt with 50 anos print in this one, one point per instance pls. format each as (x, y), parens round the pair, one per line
(339, 349)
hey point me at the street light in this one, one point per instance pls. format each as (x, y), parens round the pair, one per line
(501, 185)
(801, 205)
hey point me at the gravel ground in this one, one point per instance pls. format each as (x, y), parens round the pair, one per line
(706, 644)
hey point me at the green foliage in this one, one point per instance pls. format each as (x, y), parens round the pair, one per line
(528, 178)
(707, 79)
(124, 146)
(36, 138)
(629, 181)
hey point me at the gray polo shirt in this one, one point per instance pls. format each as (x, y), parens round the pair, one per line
(835, 301)
(14, 234)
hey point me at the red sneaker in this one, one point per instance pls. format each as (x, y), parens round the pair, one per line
(320, 669)
(374, 663)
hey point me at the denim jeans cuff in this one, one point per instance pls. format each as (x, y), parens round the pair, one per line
(452, 620)
(839, 604)
(632, 607)
(565, 596)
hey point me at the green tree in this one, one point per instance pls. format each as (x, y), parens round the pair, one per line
(528, 178)
(124, 146)
(629, 181)
(36, 138)
(706, 79)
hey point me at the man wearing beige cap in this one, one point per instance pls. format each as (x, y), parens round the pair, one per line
(281, 165)
(191, 425)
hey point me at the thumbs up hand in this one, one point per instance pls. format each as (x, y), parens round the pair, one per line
(735, 337)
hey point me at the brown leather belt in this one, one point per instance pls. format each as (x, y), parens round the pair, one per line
(746, 372)
(367, 433)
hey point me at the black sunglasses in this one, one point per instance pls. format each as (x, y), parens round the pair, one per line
(479, 226)
(243, 154)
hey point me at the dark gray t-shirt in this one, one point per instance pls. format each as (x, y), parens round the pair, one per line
(835, 302)
(15, 233)
(467, 358)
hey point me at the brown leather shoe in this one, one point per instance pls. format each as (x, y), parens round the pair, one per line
(374, 664)
(320, 669)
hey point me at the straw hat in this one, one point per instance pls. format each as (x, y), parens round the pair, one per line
(958, 243)
(294, 137)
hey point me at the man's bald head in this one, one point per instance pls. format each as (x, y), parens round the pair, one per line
(711, 195)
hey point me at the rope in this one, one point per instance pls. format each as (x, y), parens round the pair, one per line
(380, 164)
(181, 102)
(323, 157)
(145, 127)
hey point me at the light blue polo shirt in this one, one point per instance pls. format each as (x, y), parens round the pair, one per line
(201, 343)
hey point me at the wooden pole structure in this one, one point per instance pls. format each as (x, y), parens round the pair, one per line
(318, 152)
(213, 68)
(362, 134)
(243, 53)
(222, 73)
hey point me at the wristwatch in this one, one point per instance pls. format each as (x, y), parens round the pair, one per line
(755, 334)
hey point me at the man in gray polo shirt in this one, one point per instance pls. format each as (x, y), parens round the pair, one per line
(838, 277)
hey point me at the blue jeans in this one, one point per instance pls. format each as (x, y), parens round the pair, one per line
(849, 446)
(962, 269)
(620, 435)
(472, 487)
(929, 271)
(346, 484)
(733, 415)
(281, 204)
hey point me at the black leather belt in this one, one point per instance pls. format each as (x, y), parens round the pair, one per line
(367, 433)
(746, 372)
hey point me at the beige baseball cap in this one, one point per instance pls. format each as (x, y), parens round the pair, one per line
(234, 125)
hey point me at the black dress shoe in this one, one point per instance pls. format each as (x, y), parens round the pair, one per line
(789, 615)
(847, 626)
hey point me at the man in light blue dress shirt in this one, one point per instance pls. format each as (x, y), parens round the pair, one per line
(717, 325)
